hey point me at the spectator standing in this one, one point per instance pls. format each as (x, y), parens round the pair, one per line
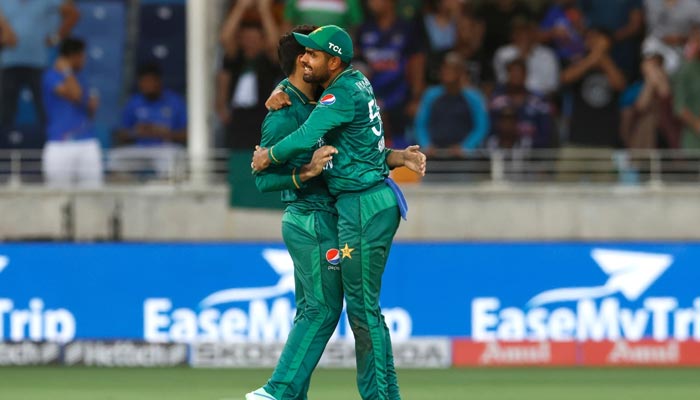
(249, 72)
(33, 24)
(542, 63)
(563, 27)
(647, 109)
(72, 155)
(394, 63)
(441, 25)
(154, 128)
(596, 82)
(625, 20)
(469, 44)
(452, 116)
(519, 117)
(686, 86)
(668, 24)
(498, 16)
(344, 13)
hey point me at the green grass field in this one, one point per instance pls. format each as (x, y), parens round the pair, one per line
(455, 384)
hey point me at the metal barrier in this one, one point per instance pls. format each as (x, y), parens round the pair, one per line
(565, 165)
(24, 167)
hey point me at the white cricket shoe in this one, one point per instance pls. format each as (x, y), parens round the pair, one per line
(259, 394)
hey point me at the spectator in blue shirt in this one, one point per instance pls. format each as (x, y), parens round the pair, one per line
(154, 128)
(36, 25)
(391, 54)
(452, 118)
(519, 117)
(72, 154)
(563, 27)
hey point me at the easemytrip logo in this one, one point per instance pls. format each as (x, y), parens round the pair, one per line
(35, 322)
(247, 314)
(594, 313)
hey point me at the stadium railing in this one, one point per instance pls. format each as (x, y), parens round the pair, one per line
(548, 166)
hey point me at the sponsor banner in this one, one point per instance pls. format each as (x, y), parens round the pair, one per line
(29, 353)
(646, 352)
(244, 293)
(414, 353)
(469, 353)
(124, 354)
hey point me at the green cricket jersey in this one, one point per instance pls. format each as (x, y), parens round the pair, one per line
(347, 117)
(311, 195)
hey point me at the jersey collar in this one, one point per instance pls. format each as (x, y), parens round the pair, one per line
(304, 100)
(345, 72)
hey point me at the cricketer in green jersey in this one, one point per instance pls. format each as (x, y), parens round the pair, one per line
(347, 117)
(309, 229)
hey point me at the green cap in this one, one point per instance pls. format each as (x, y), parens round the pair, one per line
(329, 38)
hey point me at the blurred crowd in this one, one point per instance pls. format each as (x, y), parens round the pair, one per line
(457, 75)
(452, 75)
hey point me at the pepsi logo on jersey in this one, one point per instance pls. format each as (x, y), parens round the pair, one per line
(328, 99)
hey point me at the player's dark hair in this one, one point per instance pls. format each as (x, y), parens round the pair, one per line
(71, 46)
(289, 49)
(150, 69)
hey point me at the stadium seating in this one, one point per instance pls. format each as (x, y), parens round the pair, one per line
(105, 50)
(162, 39)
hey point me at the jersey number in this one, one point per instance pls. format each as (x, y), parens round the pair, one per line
(374, 114)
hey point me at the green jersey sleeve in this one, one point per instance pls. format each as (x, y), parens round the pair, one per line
(276, 126)
(335, 108)
(279, 178)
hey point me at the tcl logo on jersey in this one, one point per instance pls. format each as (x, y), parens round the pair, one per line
(328, 99)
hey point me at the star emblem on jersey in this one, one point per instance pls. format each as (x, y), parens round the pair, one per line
(328, 99)
(347, 251)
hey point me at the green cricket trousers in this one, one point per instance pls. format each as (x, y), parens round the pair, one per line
(367, 223)
(312, 241)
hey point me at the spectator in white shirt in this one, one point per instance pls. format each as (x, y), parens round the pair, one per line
(542, 63)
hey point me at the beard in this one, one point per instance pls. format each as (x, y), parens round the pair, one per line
(313, 77)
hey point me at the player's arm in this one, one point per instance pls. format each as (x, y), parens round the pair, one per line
(285, 177)
(276, 126)
(411, 157)
(322, 120)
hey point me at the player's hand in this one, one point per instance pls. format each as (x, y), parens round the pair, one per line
(319, 160)
(414, 159)
(261, 159)
(277, 100)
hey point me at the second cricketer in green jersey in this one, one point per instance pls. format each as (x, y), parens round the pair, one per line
(347, 117)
